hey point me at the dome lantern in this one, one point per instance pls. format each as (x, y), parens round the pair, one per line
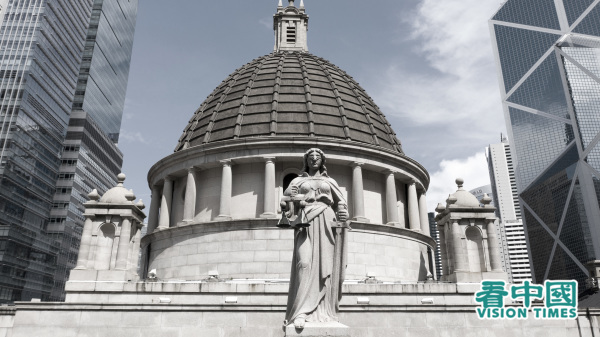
(290, 25)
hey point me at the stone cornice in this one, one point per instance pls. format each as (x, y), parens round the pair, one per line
(208, 155)
(201, 228)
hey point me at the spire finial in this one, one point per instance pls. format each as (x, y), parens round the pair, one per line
(460, 182)
(280, 4)
(291, 3)
(120, 179)
(301, 3)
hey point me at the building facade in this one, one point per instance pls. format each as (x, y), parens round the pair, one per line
(503, 181)
(433, 230)
(91, 158)
(44, 53)
(510, 225)
(546, 57)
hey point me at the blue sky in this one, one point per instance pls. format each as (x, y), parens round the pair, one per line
(428, 64)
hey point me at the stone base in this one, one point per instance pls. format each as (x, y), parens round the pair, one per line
(473, 277)
(318, 329)
(268, 215)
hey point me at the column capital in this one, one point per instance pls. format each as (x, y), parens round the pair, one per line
(490, 221)
(168, 178)
(390, 172)
(268, 159)
(193, 169)
(225, 162)
(357, 163)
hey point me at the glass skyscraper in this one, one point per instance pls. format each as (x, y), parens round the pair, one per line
(548, 56)
(56, 56)
(91, 159)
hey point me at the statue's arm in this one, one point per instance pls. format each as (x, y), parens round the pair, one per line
(291, 191)
(339, 202)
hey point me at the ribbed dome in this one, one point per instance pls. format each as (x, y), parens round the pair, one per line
(289, 94)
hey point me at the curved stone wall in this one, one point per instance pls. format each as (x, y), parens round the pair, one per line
(257, 249)
(215, 207)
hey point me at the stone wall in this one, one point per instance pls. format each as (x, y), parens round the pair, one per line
(201, 309)
(257, 249)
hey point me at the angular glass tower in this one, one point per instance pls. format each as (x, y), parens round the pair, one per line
(91, 159)
(548, 58)
(49, 51)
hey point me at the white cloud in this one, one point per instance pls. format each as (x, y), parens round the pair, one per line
(454, 89)
(132, 137)
(473, 170)
(459, 85)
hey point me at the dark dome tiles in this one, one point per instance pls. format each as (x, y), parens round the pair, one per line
(220, 134)
(338, 101)
(255, 91)
(289, 94)
(310, 119)
(292, 90)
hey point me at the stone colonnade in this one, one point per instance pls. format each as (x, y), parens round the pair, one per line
(395, 194)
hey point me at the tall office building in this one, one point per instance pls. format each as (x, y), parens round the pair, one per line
(54, 56)
(433, 231)
(504, 191)
(91, 159)
(547, 56)
(503, 182)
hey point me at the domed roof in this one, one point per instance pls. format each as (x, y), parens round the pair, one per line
(463, 197)
(118, 194)
(289, 94)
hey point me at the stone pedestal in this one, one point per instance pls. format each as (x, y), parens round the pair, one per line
(318, 329)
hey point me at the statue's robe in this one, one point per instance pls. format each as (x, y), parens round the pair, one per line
(317, 270)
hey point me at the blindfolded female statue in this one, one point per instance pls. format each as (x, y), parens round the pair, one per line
(318, 262)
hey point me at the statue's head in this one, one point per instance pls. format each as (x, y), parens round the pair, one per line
(311, 157)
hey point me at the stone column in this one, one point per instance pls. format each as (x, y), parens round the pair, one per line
(493, 246)
(154, 207)
(189, 204)
(86, 241)
(391, 199)
(226, 186)
(461, 261)
(123, 249)
(135, 246)
(165, 204)
(413, 207)
(443, 249)
(423, 214)
(269, 207)
(358, 197)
